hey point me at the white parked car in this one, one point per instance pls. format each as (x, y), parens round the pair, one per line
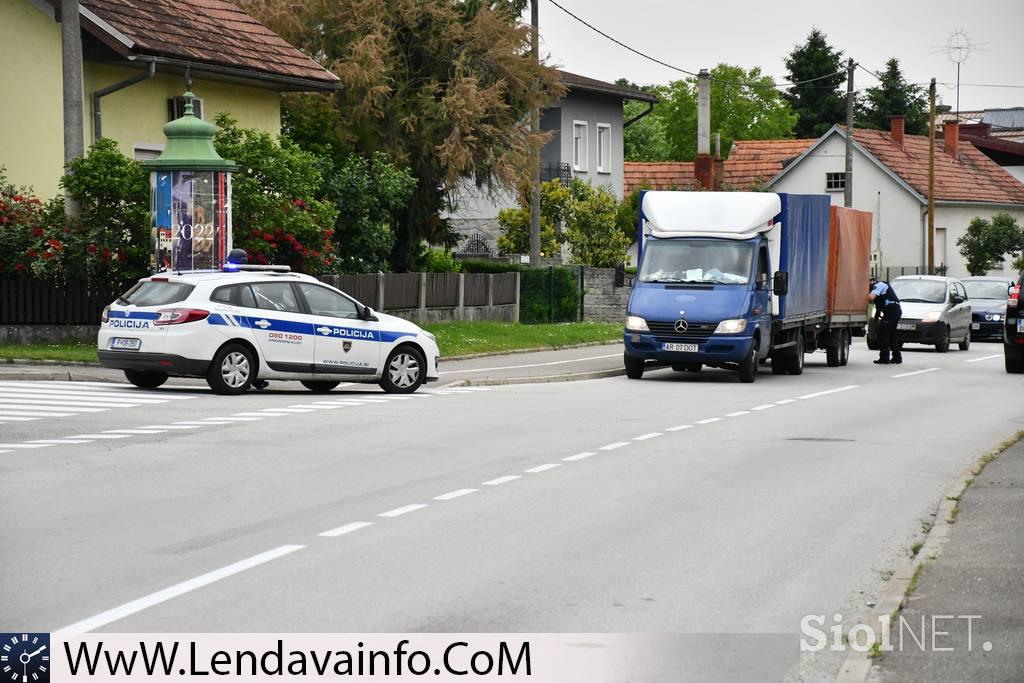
(248, 324)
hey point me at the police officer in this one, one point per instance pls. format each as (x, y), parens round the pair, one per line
(888, 314)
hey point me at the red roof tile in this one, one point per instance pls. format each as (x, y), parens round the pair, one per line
(769, 150)
(971, 178)
(655, 175)
(209, 32)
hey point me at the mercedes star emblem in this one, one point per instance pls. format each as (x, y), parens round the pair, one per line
(681, 326)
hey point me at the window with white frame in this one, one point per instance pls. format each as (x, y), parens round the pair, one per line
(579, 145)
(604, 148)
(835, 182)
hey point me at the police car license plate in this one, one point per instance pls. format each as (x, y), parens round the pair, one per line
(975, 326)
(125, 343)
(906, 326)
(685, 348)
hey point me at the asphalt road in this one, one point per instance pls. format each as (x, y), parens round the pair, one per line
(682, 503)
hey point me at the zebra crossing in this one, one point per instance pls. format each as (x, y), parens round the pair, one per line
(30, 401)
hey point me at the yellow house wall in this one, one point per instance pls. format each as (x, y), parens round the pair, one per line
(32, 133)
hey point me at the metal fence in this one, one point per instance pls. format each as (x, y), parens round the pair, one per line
(889, 272)
(27, 301)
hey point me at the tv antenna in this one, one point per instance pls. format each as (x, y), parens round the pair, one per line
(958, 48)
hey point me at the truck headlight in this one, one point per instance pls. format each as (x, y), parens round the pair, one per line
(734, 326)
(636, 324)
(931, 317)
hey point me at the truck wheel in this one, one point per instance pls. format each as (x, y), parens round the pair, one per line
(872, 344)
(634, 366)
(748, 366)
(778, 364)
(833, 355)
(844, 348)
(795, 362)
(966, 343)
(145, 380)
(943, 346)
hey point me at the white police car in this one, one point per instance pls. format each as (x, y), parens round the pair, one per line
(248, 324)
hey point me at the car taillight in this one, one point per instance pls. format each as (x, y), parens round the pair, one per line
(1014, 297)
(177, 316)
(105, 315)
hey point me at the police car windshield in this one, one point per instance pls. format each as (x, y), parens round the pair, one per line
(156, 293)
(987, 289)
(713, 261)
(920, 291)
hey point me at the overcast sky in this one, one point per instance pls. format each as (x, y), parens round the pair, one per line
(698, 34)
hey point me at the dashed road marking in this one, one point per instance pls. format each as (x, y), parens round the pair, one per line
(452, 495)
(766, 406)
(785, 401)
(827, 392)
(398, 512)
(978, 360)
(578, 456)
(738, 413)
(613, 446)
(502, 480)
(543, 468)
(60, 441)
(135, 431)
(678, 428)
(708, 420)
(916, 372)
(25, 445)
(647, 437)
(100, 436)
(346, 529)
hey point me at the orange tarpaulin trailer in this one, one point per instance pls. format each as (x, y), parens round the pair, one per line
(849, 260)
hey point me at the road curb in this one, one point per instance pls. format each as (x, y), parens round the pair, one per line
(858, 666)
(518, 352)
(54, 376)
(569, 377)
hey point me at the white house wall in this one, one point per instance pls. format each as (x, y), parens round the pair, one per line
(955, 220)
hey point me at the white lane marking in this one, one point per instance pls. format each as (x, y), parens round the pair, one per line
(785, 401)
(529, 365)
(543, 468)
(613, 446)
(827, 392)
(678, 428)
(738, 413)
(313, 407)
(501, 480)
(10, 418)
(346, 529)
(222, 420)
(286, 410)
(25, 445)
(916, 372)
(173, 426)
(32, 413)
(59, 441)
(32, 392)
(101, 436)
(452, 495)
(645, 437)
(397, 512)
(708, 420)
(350, 403)
(205, 423)
(134, 431)
(48, 405)
(578, 456)
(766, 406)
(372, 400)
(258, 414)
(3, 450)
(135, 606)
(392, 397)
(978, 360)
(111, 389)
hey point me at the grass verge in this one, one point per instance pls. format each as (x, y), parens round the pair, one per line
(454, 339)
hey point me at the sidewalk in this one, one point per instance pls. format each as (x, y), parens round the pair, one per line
(587, 362)
(979, 573)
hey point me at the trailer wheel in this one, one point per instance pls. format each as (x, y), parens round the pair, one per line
(844, 347)
(872, 343)
(778, 363)
(634, 366)
(795, 362)
(833, 355)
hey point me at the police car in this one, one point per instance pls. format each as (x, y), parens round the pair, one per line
(244, 325)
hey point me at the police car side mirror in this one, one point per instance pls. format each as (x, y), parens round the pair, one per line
(366, 313)
(780, 283)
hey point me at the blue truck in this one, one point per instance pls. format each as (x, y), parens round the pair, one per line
(737, 280)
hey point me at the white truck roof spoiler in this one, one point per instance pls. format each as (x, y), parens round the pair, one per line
(730, 215)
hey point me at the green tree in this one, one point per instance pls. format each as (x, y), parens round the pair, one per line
(818, 103)
(985, 244)
(646, 138)
(745, 105)
(515, 222)
(591, 229)
(442, 86)
(893, 96)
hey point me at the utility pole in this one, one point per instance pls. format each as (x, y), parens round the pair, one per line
(71, 55)
(535, 129)
(848, 181)
(931, 178)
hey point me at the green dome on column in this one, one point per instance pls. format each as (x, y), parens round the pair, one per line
(189, 145)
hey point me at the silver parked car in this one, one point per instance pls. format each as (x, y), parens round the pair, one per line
(936, 311)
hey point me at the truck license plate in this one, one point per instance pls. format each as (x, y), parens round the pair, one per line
(685, 348)
(906, 326)
(125, 343)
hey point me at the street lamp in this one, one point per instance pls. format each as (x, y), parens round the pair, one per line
(190, 197)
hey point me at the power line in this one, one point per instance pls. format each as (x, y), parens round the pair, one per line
(773, 84)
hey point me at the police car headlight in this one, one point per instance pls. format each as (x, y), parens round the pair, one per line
(931, 317)
(734, 326)
(428, 336)
(636, 324)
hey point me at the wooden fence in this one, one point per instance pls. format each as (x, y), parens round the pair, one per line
(424, 296)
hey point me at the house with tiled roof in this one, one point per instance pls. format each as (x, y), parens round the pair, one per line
(751, 164)
(890, 179)
(136, 54)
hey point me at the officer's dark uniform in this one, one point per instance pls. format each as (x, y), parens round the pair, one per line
(887, 306)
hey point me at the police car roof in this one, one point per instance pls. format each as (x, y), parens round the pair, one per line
(197, 276)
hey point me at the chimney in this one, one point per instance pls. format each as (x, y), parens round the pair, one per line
(896, 124)
(951, 138)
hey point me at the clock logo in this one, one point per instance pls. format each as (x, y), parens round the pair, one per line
(25, 657)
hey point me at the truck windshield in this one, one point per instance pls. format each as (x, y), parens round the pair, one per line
(718, 261)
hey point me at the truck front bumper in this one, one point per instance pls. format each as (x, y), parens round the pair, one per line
(714, 350)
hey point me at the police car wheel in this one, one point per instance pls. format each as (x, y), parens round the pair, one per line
(233, 370)
(145, 380)
(319, 386)
(403, 372)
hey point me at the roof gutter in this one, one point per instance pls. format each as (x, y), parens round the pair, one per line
(97, 110)
(290, 83)
(650, 108)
